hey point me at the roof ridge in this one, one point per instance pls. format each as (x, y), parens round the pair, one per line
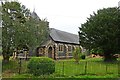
(64, 31)
(63, 36)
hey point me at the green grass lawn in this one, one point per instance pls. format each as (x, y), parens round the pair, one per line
(88, 68)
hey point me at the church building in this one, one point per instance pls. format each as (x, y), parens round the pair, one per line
(60, 44)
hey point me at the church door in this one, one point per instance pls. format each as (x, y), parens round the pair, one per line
(50, 52)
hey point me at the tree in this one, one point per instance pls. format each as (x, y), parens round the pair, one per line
(102, 31)
(9, 18)
(19, 29)
(77, 54)
(40, 32)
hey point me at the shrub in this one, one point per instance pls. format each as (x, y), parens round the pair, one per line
(83, 56)
(76, 54)
(41, 65)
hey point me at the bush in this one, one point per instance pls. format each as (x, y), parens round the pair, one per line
(41, 65)
(83, 57)
(76, 54)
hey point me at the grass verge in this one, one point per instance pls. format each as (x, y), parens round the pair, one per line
(89, 68)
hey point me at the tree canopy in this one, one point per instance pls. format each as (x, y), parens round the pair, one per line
(20, 29)
(102, 31)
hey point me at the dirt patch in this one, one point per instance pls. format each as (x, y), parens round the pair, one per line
(7, 74)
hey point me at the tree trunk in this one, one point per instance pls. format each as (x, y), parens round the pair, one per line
(6, 58)
(6, 55)
(37, 52)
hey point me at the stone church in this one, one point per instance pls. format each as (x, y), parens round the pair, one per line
(59, 45)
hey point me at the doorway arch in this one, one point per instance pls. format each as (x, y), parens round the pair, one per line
(50, 52)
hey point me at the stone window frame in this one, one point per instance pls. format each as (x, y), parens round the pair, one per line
(61, 47)
(69, 48)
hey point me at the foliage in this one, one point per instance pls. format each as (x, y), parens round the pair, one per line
(102, 31)
(97, 51)
(41, 66)
(76, 54)
(20, 29)
(83, 56)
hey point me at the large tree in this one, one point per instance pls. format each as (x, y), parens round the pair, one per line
(102, 31)
(19, 29)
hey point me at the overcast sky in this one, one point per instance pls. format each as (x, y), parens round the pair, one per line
(67, 15)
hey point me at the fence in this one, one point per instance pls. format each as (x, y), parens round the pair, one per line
(83, 68)
(71, 68)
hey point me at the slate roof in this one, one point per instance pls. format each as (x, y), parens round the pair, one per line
(35, 16)
(62, 36)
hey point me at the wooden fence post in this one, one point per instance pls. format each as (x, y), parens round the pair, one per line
(86, 67)
(19, 66)
(106, 68)
(63, 68)
(119, 68)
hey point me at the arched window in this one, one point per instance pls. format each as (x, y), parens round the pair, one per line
(69, 48)
(60, 47)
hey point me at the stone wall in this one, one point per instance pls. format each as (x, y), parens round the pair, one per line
(58, 50)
